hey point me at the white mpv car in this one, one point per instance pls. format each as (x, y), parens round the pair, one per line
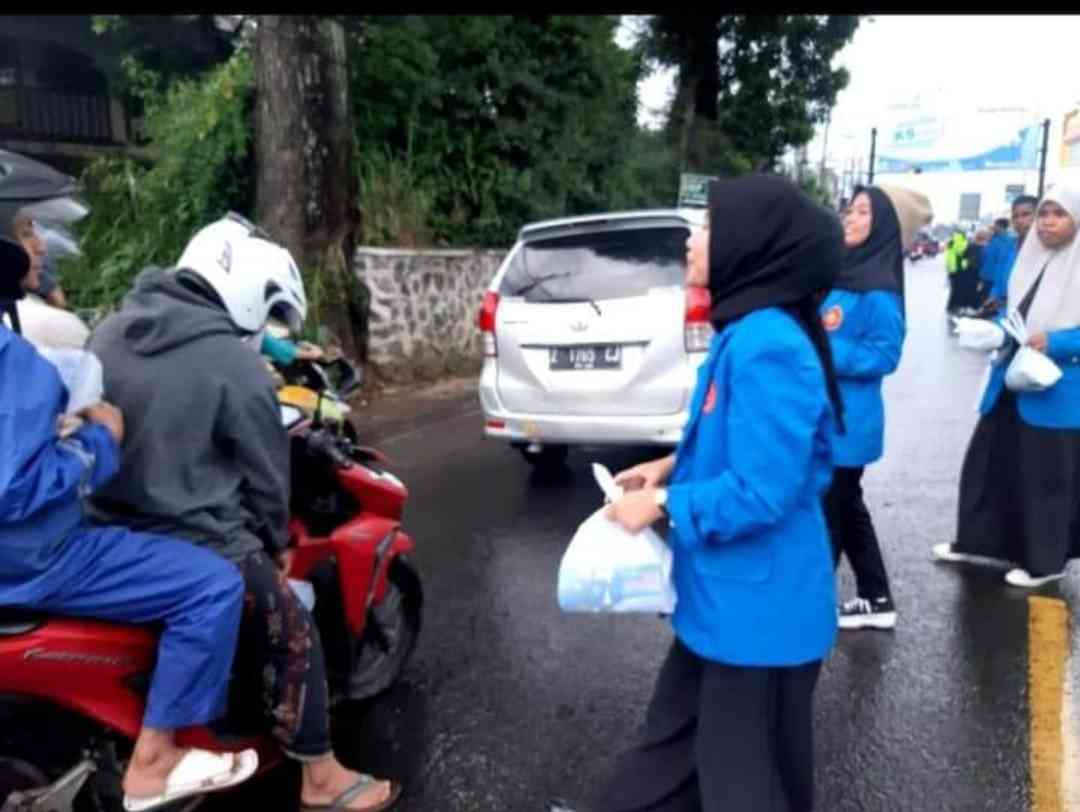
(591, 336)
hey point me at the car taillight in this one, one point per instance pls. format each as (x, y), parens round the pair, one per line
(486, 322)
(699, 330)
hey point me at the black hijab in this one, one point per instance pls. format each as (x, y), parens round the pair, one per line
(771, 246)
(14, 265)
(877, 263)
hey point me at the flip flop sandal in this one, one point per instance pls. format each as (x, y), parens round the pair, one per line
(340, 803)
(198, 772)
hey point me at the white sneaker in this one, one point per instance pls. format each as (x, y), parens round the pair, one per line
(860, 613)
(945, 552)
(1021, 577)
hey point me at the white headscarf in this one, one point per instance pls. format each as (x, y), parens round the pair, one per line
(1057, 303)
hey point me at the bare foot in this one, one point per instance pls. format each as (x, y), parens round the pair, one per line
(149, 769)
(325, 780)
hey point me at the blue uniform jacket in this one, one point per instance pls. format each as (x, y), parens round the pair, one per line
(998, 261)
(1057, 407)
(41, 477)
(752, 562)
(866, 333)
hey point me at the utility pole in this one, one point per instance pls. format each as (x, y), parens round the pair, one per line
(1042, 158)
(825, 149)
(873, 155)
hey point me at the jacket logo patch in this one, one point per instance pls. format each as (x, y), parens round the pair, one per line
(710, 400)
(833, 318)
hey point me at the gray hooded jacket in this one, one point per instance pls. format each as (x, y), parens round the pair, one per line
(205, 456)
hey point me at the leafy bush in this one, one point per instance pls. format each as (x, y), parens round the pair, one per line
(202, 143)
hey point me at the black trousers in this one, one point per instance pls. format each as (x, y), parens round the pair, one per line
(852, 533)
(280, 644)
(720, 738)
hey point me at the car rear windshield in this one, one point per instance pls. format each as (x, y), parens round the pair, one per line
(600, 265)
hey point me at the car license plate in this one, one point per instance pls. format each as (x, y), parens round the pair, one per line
(593, 357)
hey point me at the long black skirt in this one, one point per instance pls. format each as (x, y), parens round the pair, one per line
(964, 290)
(1020, 492)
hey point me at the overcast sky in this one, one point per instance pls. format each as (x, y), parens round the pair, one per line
(950, 61)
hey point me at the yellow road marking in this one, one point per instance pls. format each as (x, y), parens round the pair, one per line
(1048, 652)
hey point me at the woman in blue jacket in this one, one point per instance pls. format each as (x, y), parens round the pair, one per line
(730, 724)
(864, 318)
(1020, 484)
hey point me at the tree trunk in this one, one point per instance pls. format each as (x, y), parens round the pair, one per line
(698, 88)
(306, 187)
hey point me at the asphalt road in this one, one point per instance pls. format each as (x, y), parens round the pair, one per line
(508, 701)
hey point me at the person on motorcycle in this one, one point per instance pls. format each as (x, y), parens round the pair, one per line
(52, 560)
(208, 458)
(44, 325)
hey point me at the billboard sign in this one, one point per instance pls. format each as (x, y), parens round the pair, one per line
(969, 206)
(1070, 139)
(962, 142)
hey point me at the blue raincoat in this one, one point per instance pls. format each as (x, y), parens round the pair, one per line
(998, 259)
(866, 332)
(752, 563)
(51, 560)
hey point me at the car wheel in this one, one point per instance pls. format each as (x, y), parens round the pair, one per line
(547, 458)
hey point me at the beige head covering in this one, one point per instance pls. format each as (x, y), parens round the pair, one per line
(1057, 303)
(913, 210)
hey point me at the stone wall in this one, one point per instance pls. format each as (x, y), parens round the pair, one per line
(422, 318)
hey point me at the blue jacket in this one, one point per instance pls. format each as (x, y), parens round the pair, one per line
(1057, 407)
(866, 333)
(279, 350)
(752, 561)
(998, 259)
(41, 477)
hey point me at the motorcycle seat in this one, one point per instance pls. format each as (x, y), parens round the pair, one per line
(15, 620)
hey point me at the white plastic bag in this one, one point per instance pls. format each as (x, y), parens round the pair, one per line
(305, 591)
(978, 334)
(1029, 370)
(607, 569)
(81, 372)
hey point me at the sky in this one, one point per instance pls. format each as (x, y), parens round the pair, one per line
(952, 62)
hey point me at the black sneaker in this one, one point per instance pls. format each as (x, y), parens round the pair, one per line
(862, 613)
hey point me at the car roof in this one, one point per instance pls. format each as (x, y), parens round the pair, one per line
(619, 219)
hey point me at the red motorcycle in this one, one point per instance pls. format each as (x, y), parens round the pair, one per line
(72, 691)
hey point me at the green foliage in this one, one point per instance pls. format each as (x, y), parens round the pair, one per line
(484, 123)
(776, 79)
(200, 130)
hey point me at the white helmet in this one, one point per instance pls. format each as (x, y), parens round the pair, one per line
(249, 272)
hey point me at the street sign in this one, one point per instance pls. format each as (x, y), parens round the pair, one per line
(1013, 191)
(694, 190)
(969, 206)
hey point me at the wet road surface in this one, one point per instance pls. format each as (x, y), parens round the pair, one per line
(507, 701)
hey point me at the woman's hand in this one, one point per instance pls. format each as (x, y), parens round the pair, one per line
(309, 352)
(1039, 342)
(647, 475)
(107, 415)
(636, 510)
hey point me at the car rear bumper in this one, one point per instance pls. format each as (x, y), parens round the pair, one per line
(518, 427)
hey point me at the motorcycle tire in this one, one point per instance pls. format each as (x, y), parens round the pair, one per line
(390, 635)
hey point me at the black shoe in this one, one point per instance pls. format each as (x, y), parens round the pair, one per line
(861, 613)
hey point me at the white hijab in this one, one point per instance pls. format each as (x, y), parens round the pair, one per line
(1057, 303)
